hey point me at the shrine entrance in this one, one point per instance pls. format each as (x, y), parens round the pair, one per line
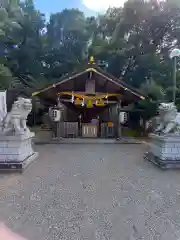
(87, 104)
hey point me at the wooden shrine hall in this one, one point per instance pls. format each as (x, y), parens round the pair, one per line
(88, 103)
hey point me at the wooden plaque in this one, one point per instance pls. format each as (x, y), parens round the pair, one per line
(110, 124)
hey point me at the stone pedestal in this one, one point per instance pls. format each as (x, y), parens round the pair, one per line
(164, 151)
(16, 152)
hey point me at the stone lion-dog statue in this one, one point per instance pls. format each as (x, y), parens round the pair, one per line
(169, 118)
(15, 121)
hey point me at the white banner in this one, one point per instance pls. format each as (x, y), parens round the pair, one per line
(3, 105)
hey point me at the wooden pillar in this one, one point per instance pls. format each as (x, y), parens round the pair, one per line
(116, 120)
(118, 124)
(34, 111)
(80, 126)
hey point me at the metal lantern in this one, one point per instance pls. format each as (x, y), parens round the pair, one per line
(55, 115)
(123, 117)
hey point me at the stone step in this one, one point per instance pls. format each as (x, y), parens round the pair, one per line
(89, 141)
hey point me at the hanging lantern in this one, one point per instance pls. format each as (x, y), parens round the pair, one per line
(55, 114)
(123, 117)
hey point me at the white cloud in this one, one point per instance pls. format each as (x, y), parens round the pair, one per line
(102, 5)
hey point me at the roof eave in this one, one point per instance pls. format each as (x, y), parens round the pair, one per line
(97, 70)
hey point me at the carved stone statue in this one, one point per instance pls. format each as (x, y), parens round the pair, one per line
(169, 119)
(16, 149)
(14, 123)
(164, 144)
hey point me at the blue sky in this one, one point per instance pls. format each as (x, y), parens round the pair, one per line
(52, 6)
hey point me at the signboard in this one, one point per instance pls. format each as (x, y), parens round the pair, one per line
(3, 105)
(110, 124)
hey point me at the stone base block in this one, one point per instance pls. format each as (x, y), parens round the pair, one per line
(171, 164)
(18, 166)
(164, 151)
(16, 152)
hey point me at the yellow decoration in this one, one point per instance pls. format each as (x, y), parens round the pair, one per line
(91, 59)
(100, 103)
(89, 104)
(79, 98)
(78, 101)
(85, 97)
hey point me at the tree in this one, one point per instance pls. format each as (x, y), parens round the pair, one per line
(6, 77)
(26, 57)
(134, 40)
(67, 38)
(10, 19)
(141, 35)
(152, 90)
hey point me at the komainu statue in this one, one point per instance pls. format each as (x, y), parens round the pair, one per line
(169, 119)
(14, 123)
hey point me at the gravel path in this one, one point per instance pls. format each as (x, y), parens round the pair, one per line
(92, 192)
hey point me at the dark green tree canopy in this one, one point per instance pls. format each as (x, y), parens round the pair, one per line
(133, 41)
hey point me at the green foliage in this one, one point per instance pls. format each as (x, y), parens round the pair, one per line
(153, 90)
(135, 42)
(10, 20)
(33, 84)
(130, 132)
(149, 109)
(5, 77)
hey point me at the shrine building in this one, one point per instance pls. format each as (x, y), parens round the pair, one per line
(88, 104)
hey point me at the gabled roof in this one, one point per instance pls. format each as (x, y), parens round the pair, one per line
(92, 67)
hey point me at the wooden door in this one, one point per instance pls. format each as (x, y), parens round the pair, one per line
(89, 131)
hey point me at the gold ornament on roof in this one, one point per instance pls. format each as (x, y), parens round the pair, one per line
(91, 60)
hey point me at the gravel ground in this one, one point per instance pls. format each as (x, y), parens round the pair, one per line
(92, 192)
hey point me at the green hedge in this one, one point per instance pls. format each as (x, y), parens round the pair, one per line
(131, 132)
